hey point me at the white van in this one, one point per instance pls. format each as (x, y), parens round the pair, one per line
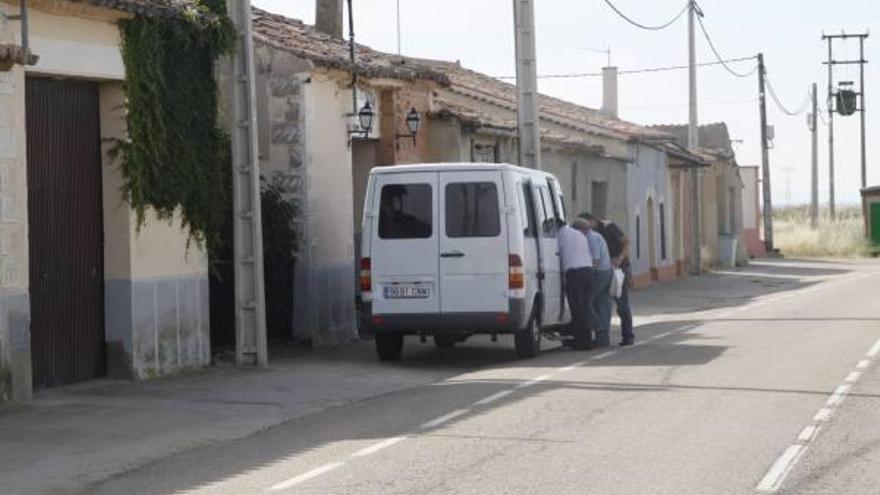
(452, 250)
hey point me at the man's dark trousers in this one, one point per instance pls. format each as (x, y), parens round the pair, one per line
(577, 290)
(623, 309)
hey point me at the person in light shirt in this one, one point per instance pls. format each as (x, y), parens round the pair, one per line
(600, 298)
(577, 265)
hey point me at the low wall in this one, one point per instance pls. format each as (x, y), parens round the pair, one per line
(156, 327)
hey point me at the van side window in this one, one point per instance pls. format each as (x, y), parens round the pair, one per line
(549, 221)
(406, 211)
(555, 200)
(531, 230)
(472, 210)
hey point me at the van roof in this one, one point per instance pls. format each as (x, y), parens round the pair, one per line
(452, 167)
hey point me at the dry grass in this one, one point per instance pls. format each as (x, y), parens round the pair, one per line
(844, 238)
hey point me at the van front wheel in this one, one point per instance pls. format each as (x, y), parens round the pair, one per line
(528, 340)
(389, 346)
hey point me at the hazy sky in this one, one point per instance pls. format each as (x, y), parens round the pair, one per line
(479, 33)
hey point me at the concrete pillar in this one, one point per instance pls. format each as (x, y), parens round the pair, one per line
(15, 342)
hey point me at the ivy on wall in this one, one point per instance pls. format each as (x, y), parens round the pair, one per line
(177, 156)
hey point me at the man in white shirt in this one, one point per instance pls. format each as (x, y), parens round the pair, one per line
(577, 264)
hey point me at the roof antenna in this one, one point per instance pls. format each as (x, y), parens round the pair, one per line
(606, 51)
(398, 29)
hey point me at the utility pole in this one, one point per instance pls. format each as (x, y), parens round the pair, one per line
(844, 111)
(788, 171)
(765, 160)
(830, 104)
(693, 143)
(250, 300)
(862, 63)
(814, 184)
(527, 85)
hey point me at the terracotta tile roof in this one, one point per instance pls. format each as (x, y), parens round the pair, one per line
(498, 124)
(304, 41)
(488, 89)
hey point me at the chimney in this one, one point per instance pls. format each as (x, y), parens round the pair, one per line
(609, 91)
(328, 17)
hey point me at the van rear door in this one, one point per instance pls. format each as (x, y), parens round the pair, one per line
(473, 243)
(404, 249)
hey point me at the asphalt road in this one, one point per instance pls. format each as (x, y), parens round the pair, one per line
(774, 390)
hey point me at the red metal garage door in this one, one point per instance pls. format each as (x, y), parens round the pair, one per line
(65, 231)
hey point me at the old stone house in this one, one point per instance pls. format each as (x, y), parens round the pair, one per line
(84, 292)
(721, 185)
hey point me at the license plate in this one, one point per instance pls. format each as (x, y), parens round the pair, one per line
(407, 291)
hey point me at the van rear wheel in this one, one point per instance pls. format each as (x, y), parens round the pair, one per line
(528, 340)
(389, 346)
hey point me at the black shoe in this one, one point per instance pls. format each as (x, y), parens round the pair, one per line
(624, 343)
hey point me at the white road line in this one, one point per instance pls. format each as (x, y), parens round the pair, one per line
(808, 433)
(314, 473)
(446, 417)
(853, 377)
(875, 349)
(603, 355)
(376, 447)
(774, 478)
(823, 414)
(864, 363)
(492, 398)
(838, 395)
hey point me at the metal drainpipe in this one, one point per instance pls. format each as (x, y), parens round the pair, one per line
(354, 109)
(25, 44)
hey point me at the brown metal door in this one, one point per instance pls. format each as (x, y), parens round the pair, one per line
(65, 231)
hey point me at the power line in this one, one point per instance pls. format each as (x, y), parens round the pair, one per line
(643, 26)
(718, 55)
(633, 71)
(779, 104)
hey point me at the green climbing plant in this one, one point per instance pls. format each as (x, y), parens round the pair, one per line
(177, 156)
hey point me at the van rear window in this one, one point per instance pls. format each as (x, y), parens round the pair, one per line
(472, 210)
(406, 212)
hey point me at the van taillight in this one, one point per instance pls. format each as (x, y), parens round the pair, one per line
(366, 275)
(515, 274)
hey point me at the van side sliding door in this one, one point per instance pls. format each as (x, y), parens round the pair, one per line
(559, 213)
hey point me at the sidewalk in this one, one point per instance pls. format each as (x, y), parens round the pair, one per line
(73, 436)
(69, 437)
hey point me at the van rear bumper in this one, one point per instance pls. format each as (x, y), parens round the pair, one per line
(439, 323)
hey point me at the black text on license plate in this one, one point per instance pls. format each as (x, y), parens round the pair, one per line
(407, 291)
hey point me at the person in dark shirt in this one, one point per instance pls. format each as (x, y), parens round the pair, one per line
(618, 249)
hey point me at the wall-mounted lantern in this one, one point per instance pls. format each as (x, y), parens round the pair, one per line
(413, 123)
(365, 120)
